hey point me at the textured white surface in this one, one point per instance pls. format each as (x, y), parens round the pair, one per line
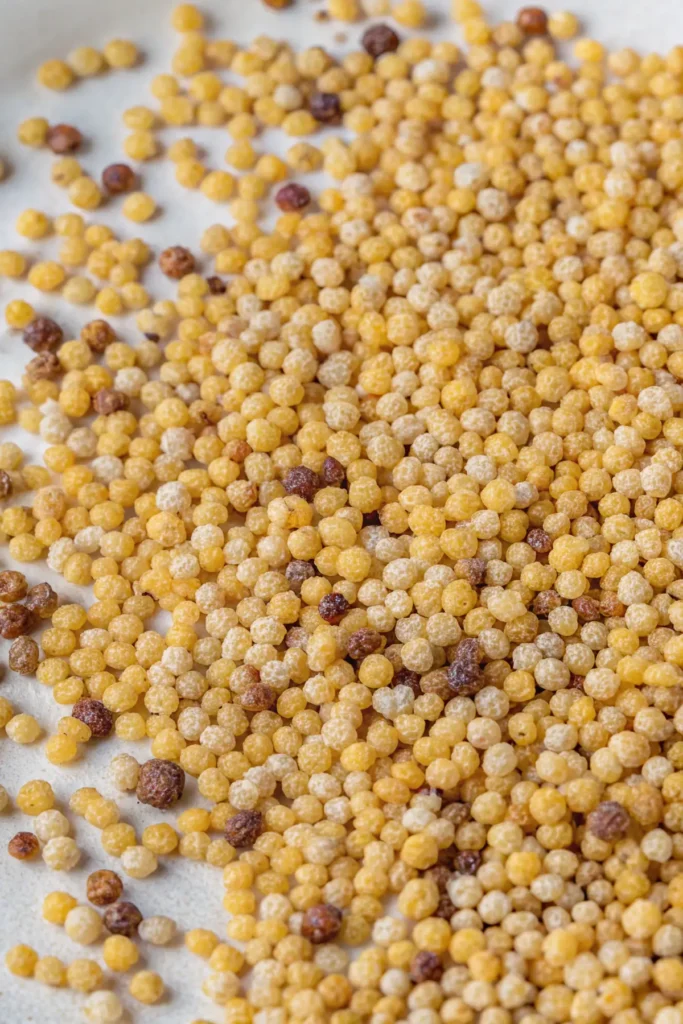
(32, 31)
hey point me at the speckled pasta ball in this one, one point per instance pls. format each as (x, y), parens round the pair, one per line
(160, 783)
(104, 887)
(121, 918)
(95, 715)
